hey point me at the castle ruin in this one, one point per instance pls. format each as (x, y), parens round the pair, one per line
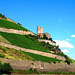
(40, 32)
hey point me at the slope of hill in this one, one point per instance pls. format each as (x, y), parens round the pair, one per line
(2, 39)
(41, 50)
(22, 41)
(11, 25)
(42, 58)
(11, 53)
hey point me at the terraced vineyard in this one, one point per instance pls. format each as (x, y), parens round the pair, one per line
(22, 41)
(11, 53)
(41, 58)
(11, 25)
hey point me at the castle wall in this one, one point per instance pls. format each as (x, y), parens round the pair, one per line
(42, 34)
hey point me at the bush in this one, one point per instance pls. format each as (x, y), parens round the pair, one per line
(35, 70)
(67, 61)
(5, 68)
(45, 37)
(1, 56)
(30, 69)
(54, 62)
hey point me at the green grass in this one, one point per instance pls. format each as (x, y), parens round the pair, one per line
(10, 25)
(1, 56)
(41, 58)
(11, 53)
(35, 72)
(3, 40)
(22, 41)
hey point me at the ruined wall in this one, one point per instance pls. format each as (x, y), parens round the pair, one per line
(16, 31)
(42, 34)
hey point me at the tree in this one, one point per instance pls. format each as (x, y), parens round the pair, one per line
(45, 37)
(6, 68)
(19, 24)
(50, 39)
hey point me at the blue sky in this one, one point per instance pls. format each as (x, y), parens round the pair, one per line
(57, 17)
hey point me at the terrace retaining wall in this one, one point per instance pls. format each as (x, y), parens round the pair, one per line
(33, 51)
(40, 66)
(16, 31)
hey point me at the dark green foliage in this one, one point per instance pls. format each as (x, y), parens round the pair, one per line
(54, 42)
(5, 68)
(53, 49)
(22, 41)
(43, 44)
(50, 39)
(30, 69)
(68, 60)
(3, 16)
(19, 24)
(54, 62)
(45, 37)
(41, 58)
(11, 25)
(1, 56)
(35, 70)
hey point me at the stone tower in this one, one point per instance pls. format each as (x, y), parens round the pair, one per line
(39, 30)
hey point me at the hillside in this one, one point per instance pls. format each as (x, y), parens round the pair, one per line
(11, 25)
(22, 41)
(26, 47)
(10, 53)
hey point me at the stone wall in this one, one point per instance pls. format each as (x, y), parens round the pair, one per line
(40, 40)
(33, 51)
(16, 31)
(41, 66)
(42, 34)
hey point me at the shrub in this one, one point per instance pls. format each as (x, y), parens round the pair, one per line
(45, 37)
(30, 69)
(35, 70)
(54, 62)
(67, 61)
(1, 56)
(5, 68)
